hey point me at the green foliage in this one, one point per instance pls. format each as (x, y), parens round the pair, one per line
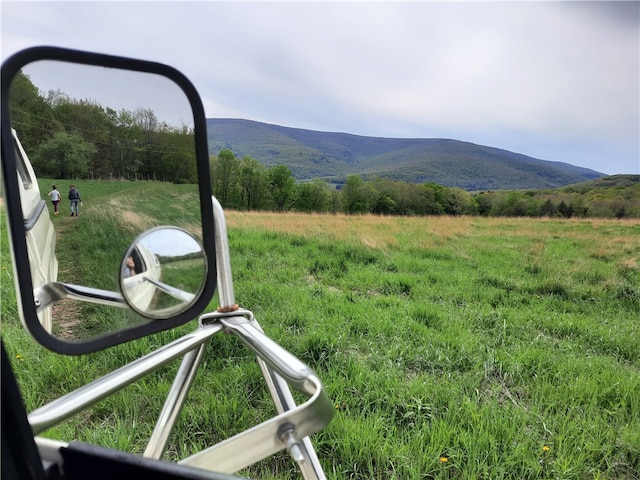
(281, 186)
(313, 196)
(77, 138)
(253, 183)
(247, 186)
(225, 170)
(64, 155)
(617, 196)
(354, 196)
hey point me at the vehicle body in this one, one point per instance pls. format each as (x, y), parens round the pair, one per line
(26, 455)
(136, 281)
(40, 233)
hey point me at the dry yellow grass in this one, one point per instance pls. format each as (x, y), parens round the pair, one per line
(129, 219)
(383, 231)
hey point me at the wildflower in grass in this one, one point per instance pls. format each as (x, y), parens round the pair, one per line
(546, 448)
(19, 357)
(443, 459)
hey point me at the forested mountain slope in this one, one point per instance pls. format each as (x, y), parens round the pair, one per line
(334, 156)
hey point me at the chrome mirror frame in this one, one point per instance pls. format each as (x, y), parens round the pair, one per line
(17, 231)
(141, 288)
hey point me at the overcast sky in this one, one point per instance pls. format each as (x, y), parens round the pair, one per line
(556, 81)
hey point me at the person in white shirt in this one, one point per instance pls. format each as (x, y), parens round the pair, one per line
(55, 199)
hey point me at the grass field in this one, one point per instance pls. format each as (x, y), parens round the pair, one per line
(451, 347)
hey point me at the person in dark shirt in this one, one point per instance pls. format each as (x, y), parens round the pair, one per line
(74, 200)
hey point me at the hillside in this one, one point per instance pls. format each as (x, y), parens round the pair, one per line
(334, 156)
(618, 182)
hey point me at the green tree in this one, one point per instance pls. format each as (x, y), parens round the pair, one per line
(335, 201)
(548, 209)
(253, 183)
(565, 210)
(31, 114)
(282, 186)
(353, 195)
(434, 200)
(509, 204)
(225, 176)
(65, 155)
(147, 121)
(401, 196)
(91, 122)
(178, 160)
(457, 201)
(384, 202)
(484, 203)
(124, 153)
(313, 196)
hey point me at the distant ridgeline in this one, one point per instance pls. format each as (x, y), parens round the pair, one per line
(335, 156)
(265, 167)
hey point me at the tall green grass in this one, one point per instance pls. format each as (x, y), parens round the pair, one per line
(450, 347)
(90, 247)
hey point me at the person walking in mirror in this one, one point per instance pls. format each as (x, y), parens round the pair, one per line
(74, 200)
(55, 199)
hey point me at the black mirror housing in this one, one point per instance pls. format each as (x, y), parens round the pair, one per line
(17, 225)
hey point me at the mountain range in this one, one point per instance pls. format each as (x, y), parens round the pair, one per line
(334, 156)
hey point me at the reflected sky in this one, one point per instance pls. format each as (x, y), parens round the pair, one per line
(170, 242)
(114, 88)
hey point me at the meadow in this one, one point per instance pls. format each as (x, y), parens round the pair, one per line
(451, 347)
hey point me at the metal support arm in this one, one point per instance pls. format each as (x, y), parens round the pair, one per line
(67, 405)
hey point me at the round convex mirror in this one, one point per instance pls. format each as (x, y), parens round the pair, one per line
(163, 272)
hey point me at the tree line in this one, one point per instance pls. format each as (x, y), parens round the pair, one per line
(72, 138)
(78, 138)
(246, 184)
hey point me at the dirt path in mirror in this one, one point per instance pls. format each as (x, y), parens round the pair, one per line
(67, 313)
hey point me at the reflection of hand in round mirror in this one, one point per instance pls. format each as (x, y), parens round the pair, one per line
(163, 272)
(130, 267)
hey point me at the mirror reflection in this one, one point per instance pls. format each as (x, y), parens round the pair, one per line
(163, 272)
(120, 143)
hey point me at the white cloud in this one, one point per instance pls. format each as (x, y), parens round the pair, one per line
(553, 80)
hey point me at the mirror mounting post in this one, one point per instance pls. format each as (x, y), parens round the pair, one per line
(223, 261)
(279, 369)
